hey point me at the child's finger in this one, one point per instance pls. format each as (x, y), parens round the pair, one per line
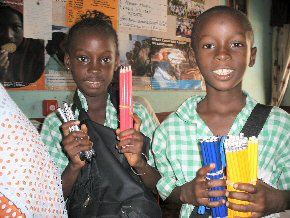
(65, 126)
(240, 207)
(246, 187)
(137, 122)
(204, 170)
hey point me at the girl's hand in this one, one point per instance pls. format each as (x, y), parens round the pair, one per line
(74, 142)
(197, 191)
(132, 145)
(262, 198)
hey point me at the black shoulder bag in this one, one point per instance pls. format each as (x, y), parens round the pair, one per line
(256, 120)
(107, 187)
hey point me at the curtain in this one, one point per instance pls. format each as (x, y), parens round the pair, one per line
(280, 17)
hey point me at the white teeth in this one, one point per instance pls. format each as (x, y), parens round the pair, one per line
(94, 83)
(223, 72)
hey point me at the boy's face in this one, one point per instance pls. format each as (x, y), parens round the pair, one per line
(92, 60)
(224, 51)
(11, 28)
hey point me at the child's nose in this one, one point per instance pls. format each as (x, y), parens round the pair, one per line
(94, 67)
(223, 55)
(8, 33)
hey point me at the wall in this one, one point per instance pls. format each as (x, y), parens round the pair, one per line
(30, 102)
(257, 81)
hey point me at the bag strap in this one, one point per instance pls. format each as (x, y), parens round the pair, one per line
(256, 120)
(114, 97)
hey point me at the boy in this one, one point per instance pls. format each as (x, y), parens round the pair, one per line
(223, 43)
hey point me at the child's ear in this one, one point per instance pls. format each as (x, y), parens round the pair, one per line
(253, 56)
(66, 61)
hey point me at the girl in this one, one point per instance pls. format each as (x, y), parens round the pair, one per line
(92, 57)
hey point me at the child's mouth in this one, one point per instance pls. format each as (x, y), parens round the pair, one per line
(223, 74)
(93, 84)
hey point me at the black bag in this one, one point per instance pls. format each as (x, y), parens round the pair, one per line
(107, 187)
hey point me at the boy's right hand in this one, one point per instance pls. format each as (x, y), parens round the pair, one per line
(74, 142)
(4, 61)
(197, 191)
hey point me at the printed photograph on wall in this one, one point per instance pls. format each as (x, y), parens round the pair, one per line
(57, 76)
(159, 63)
(186, 11)
(22, 58)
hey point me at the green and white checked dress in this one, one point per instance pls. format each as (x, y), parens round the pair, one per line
(178, 155)
(52, 135)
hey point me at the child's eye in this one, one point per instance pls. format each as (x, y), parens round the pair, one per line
(106, 60)
(17, 27)
(83, 59)
(236, 44)
(208, 46)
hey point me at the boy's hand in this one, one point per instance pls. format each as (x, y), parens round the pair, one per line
(4, 61)
(74, 142)
(197, 191)
(132, 146)
(262, 198)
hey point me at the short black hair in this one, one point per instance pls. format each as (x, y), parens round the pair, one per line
(97, 21)
(53, 44)
(221, 9)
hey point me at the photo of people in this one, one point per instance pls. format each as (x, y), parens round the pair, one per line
(183, 27)
(21, 59)
(55, 48)
(177, 7)
(166, 63)
(185, 19)
(57, 76)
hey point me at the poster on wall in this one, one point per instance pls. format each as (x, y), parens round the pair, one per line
(145, 14)
(76, 8)
(186, 12)
(36, 62)
(22, 64)
(57, 76)
(160, 64)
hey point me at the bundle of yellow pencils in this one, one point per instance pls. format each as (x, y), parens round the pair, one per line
(242, 165)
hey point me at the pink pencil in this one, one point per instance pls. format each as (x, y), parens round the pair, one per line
(126, 103)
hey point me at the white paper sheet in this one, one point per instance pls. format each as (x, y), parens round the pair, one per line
(37, 19)
(145, 14)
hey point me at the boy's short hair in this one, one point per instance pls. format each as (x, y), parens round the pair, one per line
(221, 9)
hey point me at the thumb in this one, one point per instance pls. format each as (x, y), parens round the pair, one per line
(137, 122)
(84, 128)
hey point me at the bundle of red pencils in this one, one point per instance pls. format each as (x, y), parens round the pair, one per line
(126, 101)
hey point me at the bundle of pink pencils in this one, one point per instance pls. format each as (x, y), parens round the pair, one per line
(126, 101)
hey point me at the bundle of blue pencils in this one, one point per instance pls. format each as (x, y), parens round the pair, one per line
(213, 152)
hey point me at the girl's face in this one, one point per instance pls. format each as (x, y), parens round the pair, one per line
(92, 60)
(224, 51)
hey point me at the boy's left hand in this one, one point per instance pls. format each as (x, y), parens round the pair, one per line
(261, 198)
(132, 146)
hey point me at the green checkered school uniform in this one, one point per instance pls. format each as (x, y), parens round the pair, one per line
(178, 154)
(52, 135)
